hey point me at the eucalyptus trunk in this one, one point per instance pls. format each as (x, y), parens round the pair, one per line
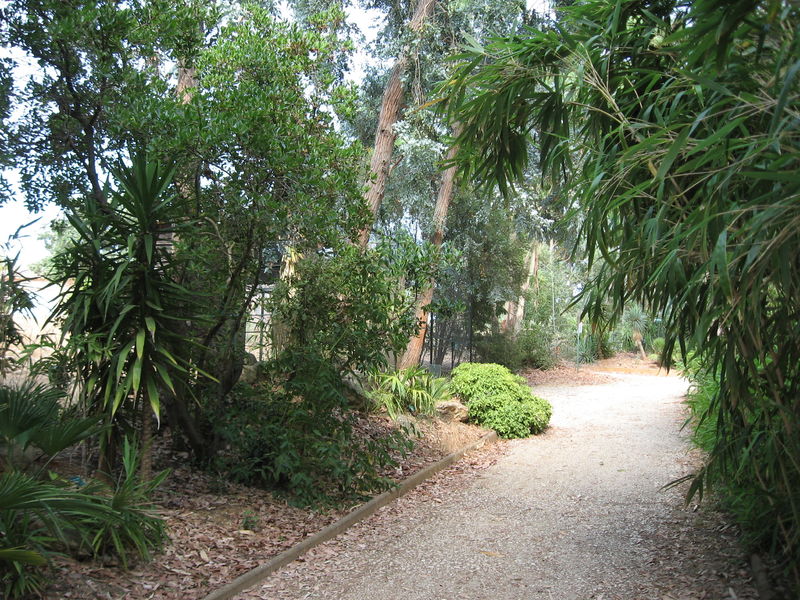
(391, 103)
(413, 353)
(515, 309)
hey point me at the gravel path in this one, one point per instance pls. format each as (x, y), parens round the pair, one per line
(575, 513)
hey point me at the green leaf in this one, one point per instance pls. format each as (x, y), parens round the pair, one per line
(140, 339)
(675, 148)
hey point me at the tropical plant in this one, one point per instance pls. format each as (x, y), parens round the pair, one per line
(633, 327)
(42, 514)
(120, 310)
(413, 390)
(678, 123)
(37, 519)
(32, 419)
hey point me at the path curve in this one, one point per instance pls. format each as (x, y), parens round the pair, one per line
(575, 513)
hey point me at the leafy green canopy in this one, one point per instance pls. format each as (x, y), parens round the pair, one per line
(676, 125)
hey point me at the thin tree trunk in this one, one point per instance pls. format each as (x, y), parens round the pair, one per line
(515, 309)
(384, 134)
(413, 353)
(637, 337)
(145, 440)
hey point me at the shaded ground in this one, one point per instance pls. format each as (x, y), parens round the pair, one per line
(576, 513)
(220, 530)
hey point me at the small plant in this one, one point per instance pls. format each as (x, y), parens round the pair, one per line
(500, 400)
(413, 390)
(137, 529)
(250, 520)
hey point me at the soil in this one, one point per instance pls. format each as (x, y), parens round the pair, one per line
(578, 512)
(219, 530)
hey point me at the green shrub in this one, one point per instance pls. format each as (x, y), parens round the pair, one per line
(500, 400)
(535, 348)
(470, 380)
(511, 416)
(299, 439)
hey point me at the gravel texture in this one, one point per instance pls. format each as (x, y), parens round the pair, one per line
(576, 513)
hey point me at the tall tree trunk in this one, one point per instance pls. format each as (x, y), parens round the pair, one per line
(384, 134)
(413, 352)
(515, 309)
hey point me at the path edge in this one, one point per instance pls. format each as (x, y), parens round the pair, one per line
(261, 572)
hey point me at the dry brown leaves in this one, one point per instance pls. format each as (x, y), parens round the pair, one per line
(219, 530)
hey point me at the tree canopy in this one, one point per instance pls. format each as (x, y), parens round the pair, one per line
(674, 125)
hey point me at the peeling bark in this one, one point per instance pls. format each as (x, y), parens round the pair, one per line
(393, 93)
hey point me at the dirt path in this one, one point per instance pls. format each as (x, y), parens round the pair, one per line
(576, 513)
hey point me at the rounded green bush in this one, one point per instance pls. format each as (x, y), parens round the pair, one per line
(500, 400)
(478, 379)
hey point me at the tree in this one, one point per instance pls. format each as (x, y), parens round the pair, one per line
(422, 141)
(389, 114)
(413, 353)
(678, 121)
(259, 164)
(119, 306)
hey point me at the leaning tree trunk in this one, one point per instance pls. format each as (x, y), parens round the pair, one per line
(384, 134)
(413, 353)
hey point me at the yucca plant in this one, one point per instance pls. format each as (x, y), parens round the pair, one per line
(137, 528)
(120, 307)
(635, 323)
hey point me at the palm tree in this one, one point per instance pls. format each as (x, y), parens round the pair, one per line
(635, 321)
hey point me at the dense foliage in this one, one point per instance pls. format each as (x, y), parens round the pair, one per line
(44, 514)
(500, 400)
(675, 124)
(413, 391)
